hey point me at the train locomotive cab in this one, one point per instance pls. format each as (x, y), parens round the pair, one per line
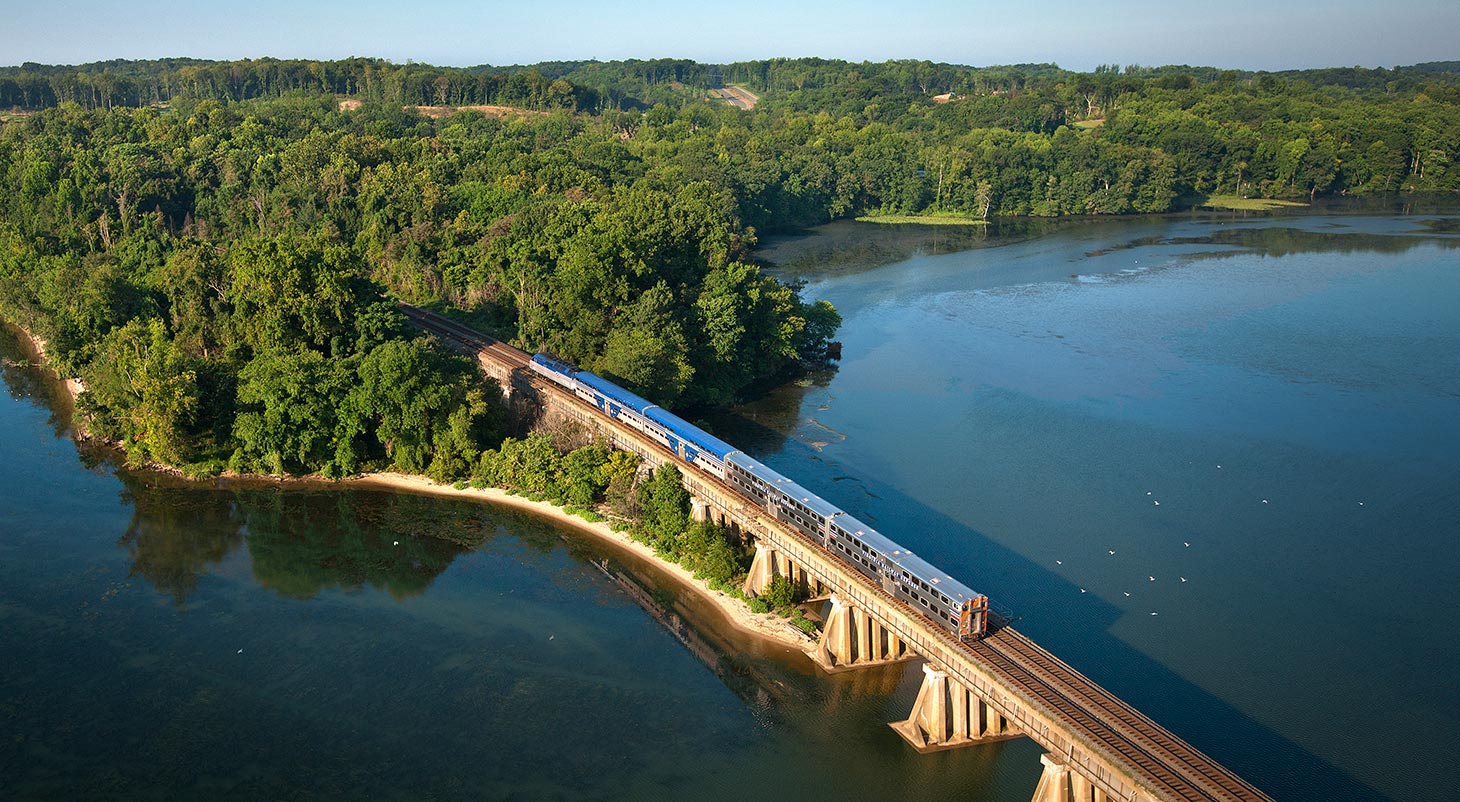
(973, 618)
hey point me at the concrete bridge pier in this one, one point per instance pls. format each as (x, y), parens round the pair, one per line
(947, 715)
(1060, 783)
(770, 563)
(852, 639)
(699, 510)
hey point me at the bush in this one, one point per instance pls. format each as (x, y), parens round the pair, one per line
(759, 606)
(781, 594)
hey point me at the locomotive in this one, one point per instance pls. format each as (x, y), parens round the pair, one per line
(950, 603)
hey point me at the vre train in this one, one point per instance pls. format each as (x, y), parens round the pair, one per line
(900, 572)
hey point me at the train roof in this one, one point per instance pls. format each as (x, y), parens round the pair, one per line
(885, 546)
(608, 388)
(688, 431)
(555, 364)
(905, 559)
(815, 503)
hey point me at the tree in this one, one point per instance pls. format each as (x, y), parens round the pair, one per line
(290, 294)
(663, 504)
(582, 477)
(288, 413)
(618, 475)
(647, 349)
(143, 391)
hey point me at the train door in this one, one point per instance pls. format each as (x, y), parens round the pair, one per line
(972, 621)
(884, 576)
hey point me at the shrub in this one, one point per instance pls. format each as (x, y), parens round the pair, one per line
(781, 593)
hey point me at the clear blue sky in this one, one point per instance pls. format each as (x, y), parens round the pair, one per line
(1252, 34)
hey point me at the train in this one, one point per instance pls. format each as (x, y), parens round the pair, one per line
(950, 603)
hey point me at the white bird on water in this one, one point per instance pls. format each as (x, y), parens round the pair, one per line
(395, 543)
(1126, 592)
(1157, 503)
(1183, 579)
(1082, 590)
(1186, 543)
(1152, 578)
(1264, 501)
(1059, 562)
(1153, 612)
(1112, 551)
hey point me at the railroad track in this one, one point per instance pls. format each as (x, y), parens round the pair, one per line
(451, 330)
(1182, 771)
(1177, 770)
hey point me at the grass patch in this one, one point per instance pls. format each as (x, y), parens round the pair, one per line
(1087, 124)
(1248, 204)
(922, 219)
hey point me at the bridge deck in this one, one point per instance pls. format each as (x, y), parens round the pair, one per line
(1160, 764)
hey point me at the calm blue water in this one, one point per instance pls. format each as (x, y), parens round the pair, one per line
(1012, 407)
(1261, 418)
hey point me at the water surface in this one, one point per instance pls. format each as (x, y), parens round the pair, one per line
(1012, 403)
(164, 640)
(1259, 416)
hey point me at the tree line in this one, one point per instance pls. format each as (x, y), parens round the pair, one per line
(193, 261)
(161, 81)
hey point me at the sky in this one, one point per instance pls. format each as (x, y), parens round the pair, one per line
(1235, 34)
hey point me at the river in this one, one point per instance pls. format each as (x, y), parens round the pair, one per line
(1013, 404)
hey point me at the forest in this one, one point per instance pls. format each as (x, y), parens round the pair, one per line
(216, 247)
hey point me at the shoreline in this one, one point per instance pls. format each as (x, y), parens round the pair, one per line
(767, 626)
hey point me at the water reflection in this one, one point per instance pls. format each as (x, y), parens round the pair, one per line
(300, 542)
(1345, 226)
(848, 246)
(1286, 241)
(25, 379)
(173, 539)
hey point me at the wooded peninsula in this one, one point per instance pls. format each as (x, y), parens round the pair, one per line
(215, 248)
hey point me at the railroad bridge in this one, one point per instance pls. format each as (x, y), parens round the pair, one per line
(1097, 747)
